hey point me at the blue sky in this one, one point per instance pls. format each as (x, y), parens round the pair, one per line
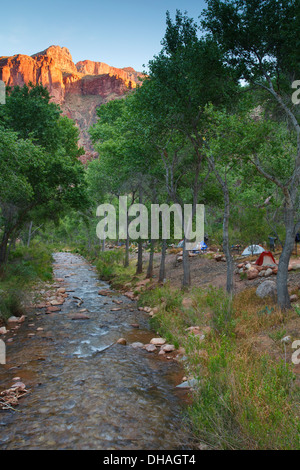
(119, 33)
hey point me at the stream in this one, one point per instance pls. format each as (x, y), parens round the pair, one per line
(86, 392)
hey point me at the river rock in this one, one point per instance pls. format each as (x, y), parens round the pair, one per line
(158, 341)
(104, 292)
(266, 289)
(122, 341)
(3, 330)
(137, 345)
(19, 385)
(188, 384)
(14, 319)
(168, 348)
(80, 316)
(57, 302)
(53, 309)
(150, 348)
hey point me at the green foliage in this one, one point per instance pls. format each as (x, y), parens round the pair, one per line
(42, 178)
(11, 303)
(257, 36)
(107, 263)
(25, 267)
(244, 404)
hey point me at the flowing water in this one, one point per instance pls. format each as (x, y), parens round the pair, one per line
(86, 392)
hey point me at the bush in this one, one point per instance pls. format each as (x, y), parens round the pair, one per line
(25, 266)
(11, 303)
(107, 264)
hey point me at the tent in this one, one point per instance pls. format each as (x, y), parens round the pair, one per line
(266, 259)
(253, 250)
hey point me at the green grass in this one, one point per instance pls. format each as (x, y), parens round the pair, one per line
(244, 400)
(25, 267)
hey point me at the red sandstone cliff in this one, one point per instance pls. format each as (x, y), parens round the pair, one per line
(80, 89)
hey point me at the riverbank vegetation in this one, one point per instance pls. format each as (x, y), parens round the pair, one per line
(25, 268)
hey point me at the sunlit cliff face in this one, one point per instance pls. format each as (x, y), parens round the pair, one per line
(79, 89)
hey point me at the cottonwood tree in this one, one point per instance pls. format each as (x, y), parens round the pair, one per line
(260, 41)
(186, 75)
(42, 177)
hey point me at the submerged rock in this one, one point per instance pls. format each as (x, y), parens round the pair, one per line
(150, 347)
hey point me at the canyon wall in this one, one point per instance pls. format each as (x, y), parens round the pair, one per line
(78, 88)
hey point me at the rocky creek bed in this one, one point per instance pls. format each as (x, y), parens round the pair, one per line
(86, 391)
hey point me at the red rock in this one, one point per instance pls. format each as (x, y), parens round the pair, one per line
(70, 85)
(80, 316)
(252, 274)
(104, 292)
(53, 309)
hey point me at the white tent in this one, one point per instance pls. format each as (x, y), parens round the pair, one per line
(253, 250)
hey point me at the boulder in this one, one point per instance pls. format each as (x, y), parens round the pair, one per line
(266, 289)
(296, 266)
(268, 272)
(252, 274)
(3, 330)
(294, 298)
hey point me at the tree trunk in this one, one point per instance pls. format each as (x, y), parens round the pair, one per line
(29, 234)
(283, 297)
(226, 244)
(126, 261)
(186, 280)
(162, 269)
(150, 264)
(139, 268)
(3, 249)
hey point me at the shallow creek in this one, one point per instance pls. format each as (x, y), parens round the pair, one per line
(85, 391)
